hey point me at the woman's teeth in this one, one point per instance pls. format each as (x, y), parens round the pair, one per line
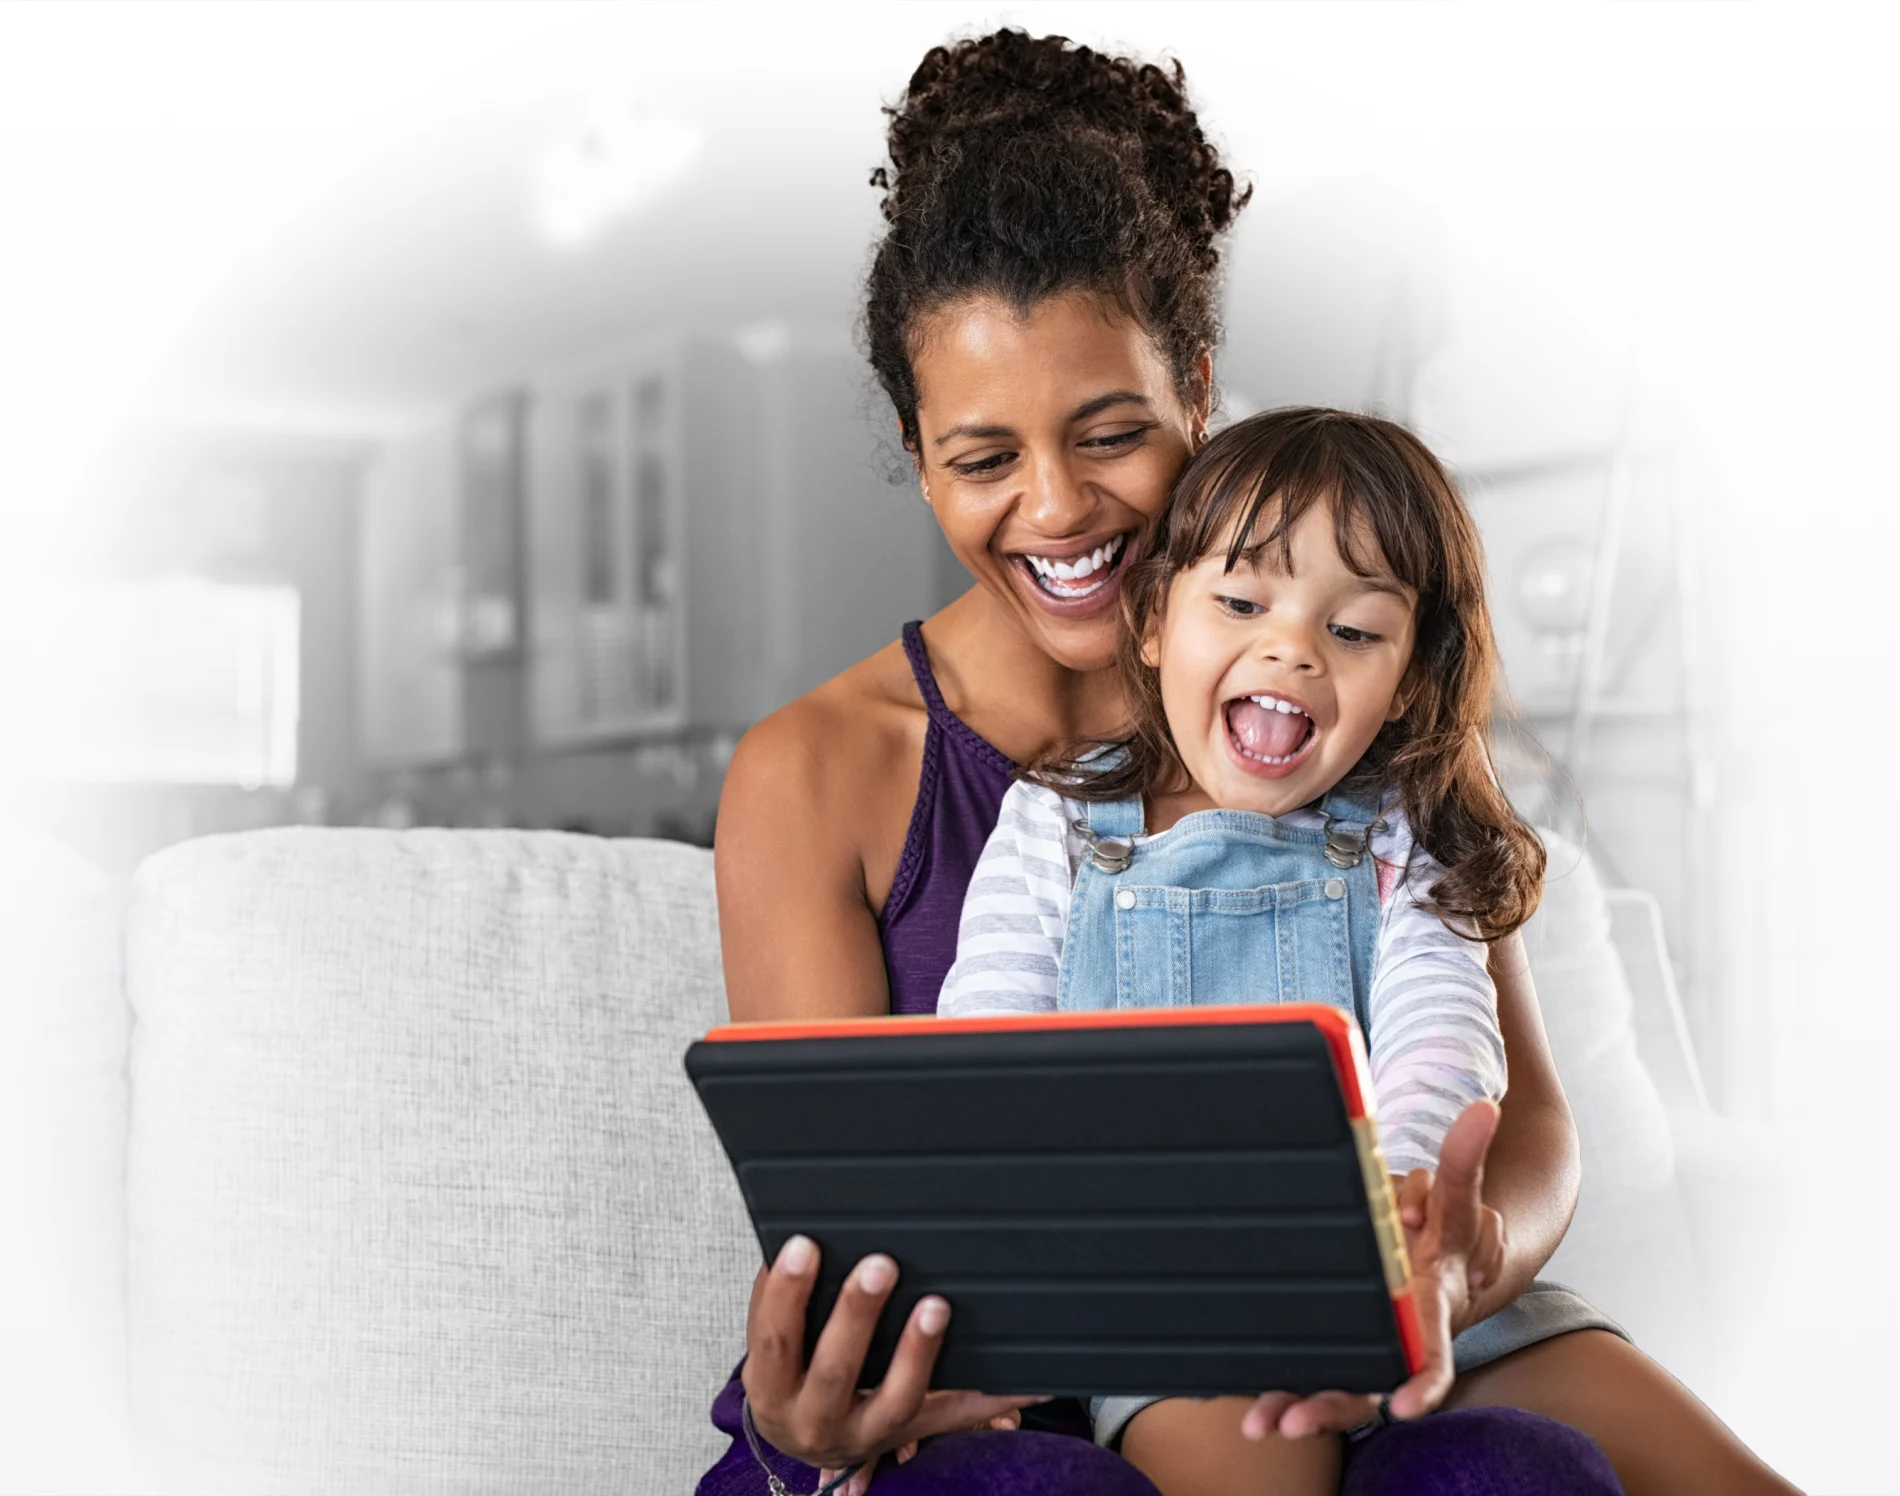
(1077, 569)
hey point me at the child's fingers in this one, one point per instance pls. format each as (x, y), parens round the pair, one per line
(1011, 1419)
(1413, 1191)
(1263, 1417)
(906, 1451)
(1327, 1413)
(1487, 1258)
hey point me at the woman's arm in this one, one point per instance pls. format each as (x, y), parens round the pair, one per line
(796, 929)
(800, 804)
(1532, 1171)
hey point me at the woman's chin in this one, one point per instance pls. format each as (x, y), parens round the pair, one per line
(1081, 645)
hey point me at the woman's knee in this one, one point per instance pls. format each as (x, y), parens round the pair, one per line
(1469, 1451)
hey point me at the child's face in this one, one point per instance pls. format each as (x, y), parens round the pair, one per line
(1327, 649)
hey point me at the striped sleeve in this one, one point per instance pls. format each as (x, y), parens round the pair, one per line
(1009, 944)
(1436, 1045)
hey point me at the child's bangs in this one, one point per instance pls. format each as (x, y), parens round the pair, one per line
(1250, 504)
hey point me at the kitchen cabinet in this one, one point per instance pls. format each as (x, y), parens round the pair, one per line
(713, 530)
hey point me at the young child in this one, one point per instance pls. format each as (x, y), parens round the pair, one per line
(1304, 807)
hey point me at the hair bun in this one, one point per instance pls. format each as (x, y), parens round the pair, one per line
(1019, 83)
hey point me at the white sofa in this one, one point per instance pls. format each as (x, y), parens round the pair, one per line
(380, 1172)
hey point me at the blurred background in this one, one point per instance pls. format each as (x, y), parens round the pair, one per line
(450, 415)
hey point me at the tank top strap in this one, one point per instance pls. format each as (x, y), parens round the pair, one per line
(955, 730)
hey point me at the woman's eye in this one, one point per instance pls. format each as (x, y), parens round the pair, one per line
(1346, 634)
(1116, 440)
(982, 466)
(1240, 607)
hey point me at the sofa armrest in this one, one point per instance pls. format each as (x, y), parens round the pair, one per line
(1662, 1030)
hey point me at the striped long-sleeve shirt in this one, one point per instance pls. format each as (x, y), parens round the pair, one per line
(1435, 1044)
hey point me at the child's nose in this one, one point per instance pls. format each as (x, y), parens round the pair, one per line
(1288, 644)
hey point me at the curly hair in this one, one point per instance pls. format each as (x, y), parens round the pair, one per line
(1244, 492)
(1024, 167)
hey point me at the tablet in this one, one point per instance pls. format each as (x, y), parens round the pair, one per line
(1179, 1202)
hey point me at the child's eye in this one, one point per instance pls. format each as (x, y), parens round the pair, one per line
(1346, 634)
(1240, 607)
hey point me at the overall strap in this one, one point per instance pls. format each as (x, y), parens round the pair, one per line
(1349, 849)
(1117, 818)
(1360, 808)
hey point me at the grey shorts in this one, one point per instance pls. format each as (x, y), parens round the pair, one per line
(1542, 1312)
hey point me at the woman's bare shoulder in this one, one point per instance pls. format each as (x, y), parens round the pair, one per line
(851, 721)
(826, 760)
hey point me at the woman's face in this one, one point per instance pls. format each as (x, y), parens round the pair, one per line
(1047, 444)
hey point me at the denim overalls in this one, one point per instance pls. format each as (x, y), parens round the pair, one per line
(1226, 906)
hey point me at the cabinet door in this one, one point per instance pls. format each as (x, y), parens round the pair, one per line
(604, 498)
(410, 599)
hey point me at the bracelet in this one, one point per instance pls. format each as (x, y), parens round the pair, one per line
(772, 1483)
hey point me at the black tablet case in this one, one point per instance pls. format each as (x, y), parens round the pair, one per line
(1174, 1209)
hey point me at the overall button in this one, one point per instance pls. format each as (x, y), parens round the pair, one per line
(1126, 898)
(1335, 888)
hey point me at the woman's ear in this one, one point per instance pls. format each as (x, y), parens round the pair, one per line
(923, 481)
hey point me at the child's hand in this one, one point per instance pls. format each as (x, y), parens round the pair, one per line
(860, 1483)
(1483, 1263)
(1456, 1244)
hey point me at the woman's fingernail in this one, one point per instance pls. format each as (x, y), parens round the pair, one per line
(797, 1255)
(876, 1273)
(932, 1315)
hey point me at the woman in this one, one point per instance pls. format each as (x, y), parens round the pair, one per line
(1042, 315)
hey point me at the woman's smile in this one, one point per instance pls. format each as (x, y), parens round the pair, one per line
(1074, 579)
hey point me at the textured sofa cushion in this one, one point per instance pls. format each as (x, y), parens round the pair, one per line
(419, 1198)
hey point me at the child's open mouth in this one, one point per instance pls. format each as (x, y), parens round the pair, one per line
(1070, 580)
(1269, 732)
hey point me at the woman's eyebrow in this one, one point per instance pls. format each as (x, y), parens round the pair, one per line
(968, 429)
(1102, 402)
(1081, 413)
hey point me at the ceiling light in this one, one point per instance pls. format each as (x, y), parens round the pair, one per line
(624, 159)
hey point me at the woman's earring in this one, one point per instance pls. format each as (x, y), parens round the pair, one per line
(923, 486)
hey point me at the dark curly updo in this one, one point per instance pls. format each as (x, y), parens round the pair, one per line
(1022, 167)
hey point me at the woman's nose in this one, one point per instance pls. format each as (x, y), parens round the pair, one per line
(1053, 500)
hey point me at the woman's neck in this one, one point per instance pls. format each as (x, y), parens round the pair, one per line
(1000, 681)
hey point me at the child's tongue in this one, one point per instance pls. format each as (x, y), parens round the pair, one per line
(1269, 734)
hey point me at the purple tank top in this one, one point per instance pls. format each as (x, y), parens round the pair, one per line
(958, 796)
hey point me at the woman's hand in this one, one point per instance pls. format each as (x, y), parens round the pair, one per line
(816, 1413)
(1456, 1247)
(861, 1481)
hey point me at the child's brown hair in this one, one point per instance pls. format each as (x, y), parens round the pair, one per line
(1376, 477)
